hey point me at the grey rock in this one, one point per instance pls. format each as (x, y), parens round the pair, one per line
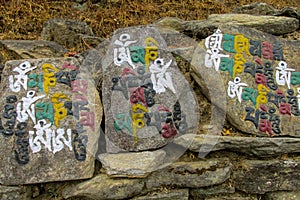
(133, 164)
(252, 146)
(177, 43)
(269, 24)
(49, 130)
(180, 174)
(170, 22)
(266, 9)
(179, 194)
(235, 196)
(261, 176)
(284, 195)
(255, 9)
(224, 188)
(10, 193)
(29, 49)
(191, 174)
(289, 12)
(245, 111)
(91, 61)
(135, 101)
(66, 32)
(102, 187)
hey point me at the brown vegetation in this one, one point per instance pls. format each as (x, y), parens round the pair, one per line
(23, 19)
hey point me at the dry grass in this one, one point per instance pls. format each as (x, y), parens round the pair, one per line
(23, 19)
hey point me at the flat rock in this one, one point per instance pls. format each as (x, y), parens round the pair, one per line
(252, 146)
(66, 32)
(103, 187)
(266, 9)
(292, 195)
(147, 101)
(29, 49)
(224, 188)
(257, 8)
(191, 174)
(261, 79)
(179, 174)
(179, 194)
(261, 176)
(269, 24)
(50, 117)
(235, 196)
(133, 164)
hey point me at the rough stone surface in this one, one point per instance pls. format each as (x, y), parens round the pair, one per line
(170, 22)
(266, 9)
(261, 176)
(252, 146)
(289, 12)
(10, 193)
(233, 197)
(283, 195)
(269, 24)
(179, 194)
(91, 61)
(133, 164)
(28, 49)
(65, 32)
(177, 43)
(224, 188)
(103, 187)
(275, 25)
(180, 174)
(255, 9)
(147, 100)
(260, 101)
(50, 119)
(191, 174)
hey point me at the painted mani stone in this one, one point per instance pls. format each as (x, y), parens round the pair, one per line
(261, 74)
(49, 121)
(147, 101)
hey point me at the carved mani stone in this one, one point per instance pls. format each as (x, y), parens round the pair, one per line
(147, 101)
(49, 121)
(261, 75)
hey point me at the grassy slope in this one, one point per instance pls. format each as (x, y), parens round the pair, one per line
(23, 19)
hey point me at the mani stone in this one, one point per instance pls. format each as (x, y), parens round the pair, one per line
(261, 77)
(147, 101)
(49, 121)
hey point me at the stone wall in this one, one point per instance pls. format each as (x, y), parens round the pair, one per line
(231, 146)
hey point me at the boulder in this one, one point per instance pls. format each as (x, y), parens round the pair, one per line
(29, 49)
(269, 24)
(276, 25)
(261, 176)
(251, 146)
(147, 100)
(260, 75)
(257, 8)
(266, 9)
(66, 32)
(50, 118)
